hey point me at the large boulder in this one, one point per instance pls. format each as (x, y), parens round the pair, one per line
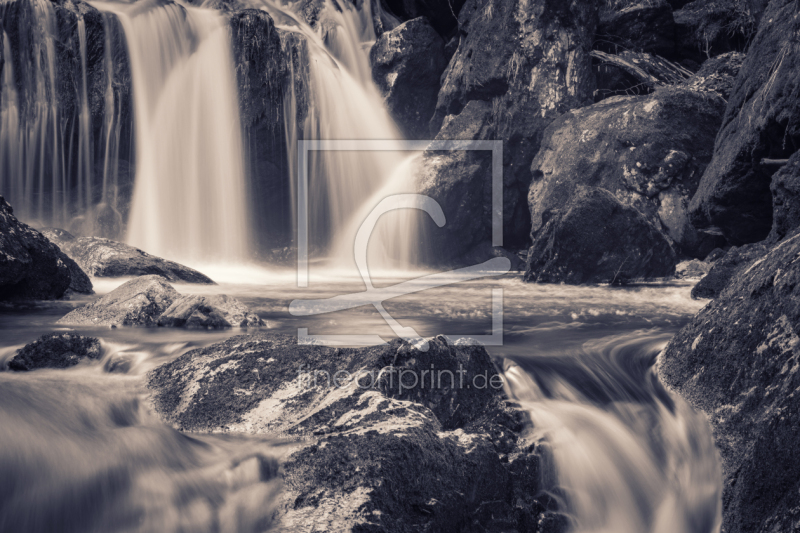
(376, 449)
(738, 362)
(138, 302)
(112, 259)
(735, 260)
(785, 189)
(650, 151)
(56, 350)
(762, 120)
(595, 238)
(407, 63)
(519, 65)
(208, 312)
(32, 267)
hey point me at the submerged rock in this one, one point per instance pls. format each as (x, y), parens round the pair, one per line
(56, 350)
(378, 449)
(208, 312)
(785, 189)
(738, 362)
(111, 259)
(32, 267)
(138, 302)
(407, 63)
(650, 151)
(595, 238)
(762, 121)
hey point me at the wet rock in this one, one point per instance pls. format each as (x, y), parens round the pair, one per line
(111, 259)
(31, 267)
(736, 260)
(56, 350)
(208, 312)
(718, 74)
(377, 451)
(138, 302)
(738, 362)
(785, 189)
(642, 27)
(762, 121)
(508, 81)
(407, 63)
(595, 238)
(442, 14)
(649, 151)
(708, 28)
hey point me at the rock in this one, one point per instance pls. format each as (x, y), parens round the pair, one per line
(105, 258)
(138, 302)
(595, 238)
(407, 63)
(708, 28)
(649, 151)
(694, 269)
(717, 74)
(372, 454)
(508, 81)
(442, 14)
(642, 27)
(208, 312)
(738, 362)
(31, 267)
(762, 121)
(634, 73)
(56, 350)
(736, 260)
(785, 189)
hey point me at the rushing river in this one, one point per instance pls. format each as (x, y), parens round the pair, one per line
(80, 451)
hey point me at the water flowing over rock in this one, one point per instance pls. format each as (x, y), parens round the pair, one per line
(32, 267)
(785, 189)
(138, 302)
(649, 151)
(56, 350)
(105, 258)
(518, 66)
(378, 451)
(595, 238)
(762, 121)
(738, 362)
(407, 63)
(208, 312)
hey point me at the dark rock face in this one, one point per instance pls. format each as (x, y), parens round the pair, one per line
(56, 351)
(31, 267)
(642, 27)
(442, 14)
(762, 121)
(738, 361)
(595, 238)
(407, 63)
(718, 74)
(208, 312)
(707, 28)
(785, 189)
(111, 259)
(650, 151)
(726, 268)
(138, 302)
(375, 455)
(518, 67)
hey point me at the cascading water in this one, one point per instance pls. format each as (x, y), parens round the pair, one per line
(189, 197)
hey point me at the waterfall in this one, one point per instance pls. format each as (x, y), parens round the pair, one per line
(189, 196)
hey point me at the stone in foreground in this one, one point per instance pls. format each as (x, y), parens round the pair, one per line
(595, 238)
(376, 449)
(138, 302)
(105, 258)
(208, 312)
(56, 351)
(739, 362)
